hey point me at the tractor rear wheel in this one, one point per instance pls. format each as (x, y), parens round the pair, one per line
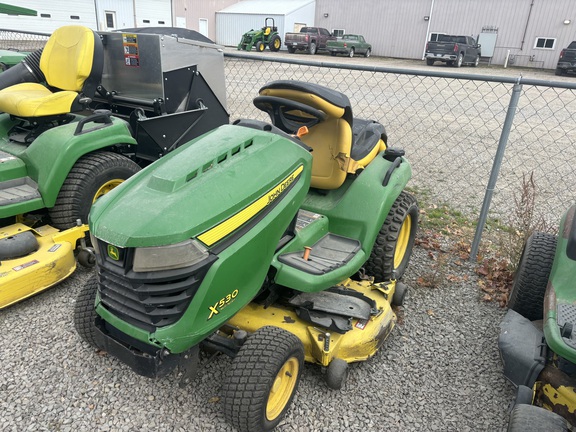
(393, 247)
(93, 175)
(260, 46)
(84, 312)
(263, 379)
(275, 43)
(531, 278)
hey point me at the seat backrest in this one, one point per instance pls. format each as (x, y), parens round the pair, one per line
(73, 60)
(330, 140)
(266, 31)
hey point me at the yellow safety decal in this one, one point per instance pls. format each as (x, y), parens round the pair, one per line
(221, 230)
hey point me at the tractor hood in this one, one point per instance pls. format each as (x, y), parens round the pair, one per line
(207, 188)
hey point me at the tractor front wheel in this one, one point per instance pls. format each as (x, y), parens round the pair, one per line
(531, 278)
(275, 43)
(260, 46)
(263, 379)
(393, 247)
(93, 175)
(84, 312)
(530, 418)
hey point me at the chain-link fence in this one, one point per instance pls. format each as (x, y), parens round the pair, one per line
(449, 124)
(21, 40)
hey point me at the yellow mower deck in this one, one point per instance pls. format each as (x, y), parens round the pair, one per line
(358, 344)
(53, 262)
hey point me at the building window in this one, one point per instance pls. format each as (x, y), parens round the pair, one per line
(545, 43)
(110, 20)
(161, 22)
(338, 32)
(45, 15)
(74, 17)
(146, 21)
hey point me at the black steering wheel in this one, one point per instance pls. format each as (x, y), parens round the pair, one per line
(280, 111)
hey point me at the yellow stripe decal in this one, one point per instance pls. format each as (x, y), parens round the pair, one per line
(221, 230)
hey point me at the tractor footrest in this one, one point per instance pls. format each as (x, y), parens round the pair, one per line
(566, 319)
(18, 190)
(329, 253)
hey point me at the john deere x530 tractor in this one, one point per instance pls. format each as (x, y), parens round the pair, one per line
(275, 244)
(267, 36)
(78, 118)
(538, 334)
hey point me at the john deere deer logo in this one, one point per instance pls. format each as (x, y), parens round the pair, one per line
(113, 252)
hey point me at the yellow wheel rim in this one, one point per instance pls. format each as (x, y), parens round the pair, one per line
(402, 242)
(105, 188)
(282, 388)
(276, 44)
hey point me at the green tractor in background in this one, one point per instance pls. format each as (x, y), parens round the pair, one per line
(266, 36)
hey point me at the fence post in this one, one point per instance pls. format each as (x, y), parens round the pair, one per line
(510, 113)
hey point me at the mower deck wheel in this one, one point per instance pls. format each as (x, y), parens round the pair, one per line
(336, 373)
(399, 294)
(84, 312)
(393, 247)
(531, 279)
(263, 379)
(530, 418)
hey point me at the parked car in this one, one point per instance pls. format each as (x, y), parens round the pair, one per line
(453, 50)
(310, 39)
(567, 60)
(349, 44)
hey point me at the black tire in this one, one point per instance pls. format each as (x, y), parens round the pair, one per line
(476, 61)
(399, 294)
(249, 402)
(275, 43)
(351, 53)
(429, 61)
(560, 72)
(531, 278)
(530, 418)
(332, 53)
(291, 50)
(260, 46)
(92, 176)
(386, 261)
(336, 374)
(367, 53)
(312, 48)
(84, 312)
(458, 62)
(86, 258)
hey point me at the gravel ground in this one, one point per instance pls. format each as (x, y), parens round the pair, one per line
(439, 370)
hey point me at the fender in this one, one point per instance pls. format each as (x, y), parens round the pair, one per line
(51, 156)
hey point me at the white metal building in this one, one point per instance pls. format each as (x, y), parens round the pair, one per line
(97, 14)
(235, 20)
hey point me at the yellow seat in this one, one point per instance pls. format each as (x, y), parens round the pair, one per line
(72, 63)
(331, 139)
(266, 31)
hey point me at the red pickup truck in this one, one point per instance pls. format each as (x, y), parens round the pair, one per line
(310, 39)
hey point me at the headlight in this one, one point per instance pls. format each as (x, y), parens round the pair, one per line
(174, 256)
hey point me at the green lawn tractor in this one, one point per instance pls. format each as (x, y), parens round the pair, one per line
(78, 118)
(538, 340)
(267, 36)
(274, 244)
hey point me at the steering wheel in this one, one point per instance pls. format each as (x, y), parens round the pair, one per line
(280, 109)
